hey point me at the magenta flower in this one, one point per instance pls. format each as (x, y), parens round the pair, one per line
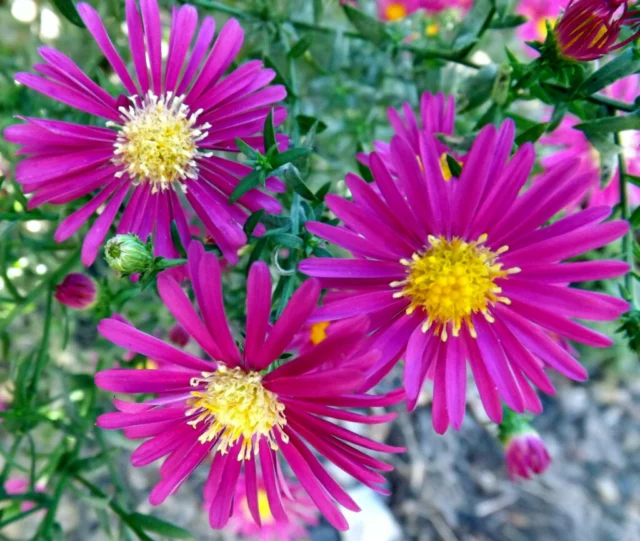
(395, 10)
(525, 454)
(437, 115)
(589, 29)
(20, 485)
(570, 143)
(246, 409)
(300, 509)
(435, 6)
(77, 291)
(162, 137)
(464, 271)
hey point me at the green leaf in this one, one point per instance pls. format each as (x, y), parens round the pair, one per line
(295, 182)
(558, 114)
(269, 133)
(634, 220)
(248, 151)
(318, 10)
(289, 156)
(472, 25)
(257, 251)
(252, 180)
(612, 124)
(155, 525)
(371, 28)
(92, 463)
(608, 152)
(454, 166)
(624, 64)
(510, 21)
(324, 190)
(288, 240)
(252, 222)
(68, 10)
(532, 134)
(306, 122)
(280, 77)
(300, 47)
(177, 241)
(477, 90)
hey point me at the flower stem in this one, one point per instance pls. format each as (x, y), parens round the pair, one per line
(627, 240)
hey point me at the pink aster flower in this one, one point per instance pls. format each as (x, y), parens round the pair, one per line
(160, 143)
(437, 115)
(525, 454)
(301, 512)
(435, 6)
(589, 29)
(246, 409)
(538, 12)
(570, 143)
(395, 10)
(20, 485)
(463, 271)
(76, 291)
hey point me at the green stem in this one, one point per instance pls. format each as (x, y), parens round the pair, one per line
(627, 240)
(20, 516)
(8, 464)
(43, 356)
(115, 507)
(28, 216)
(50, 279)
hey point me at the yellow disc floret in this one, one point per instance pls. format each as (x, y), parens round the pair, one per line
(235, 405)
(158, 140)
(452, 280)
(318, 332)
(395, 11)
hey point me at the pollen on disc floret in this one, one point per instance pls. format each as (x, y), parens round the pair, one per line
(452, 280)
(158, 140)
(235, 405)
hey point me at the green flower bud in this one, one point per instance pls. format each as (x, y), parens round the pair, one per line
(127, 254)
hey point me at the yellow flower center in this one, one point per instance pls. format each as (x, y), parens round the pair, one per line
(452, 280)
(318, 332)
(432, 30)
(235, 405)
(158, 140)
(395, 12)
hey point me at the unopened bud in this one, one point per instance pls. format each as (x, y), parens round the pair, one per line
(127, 254)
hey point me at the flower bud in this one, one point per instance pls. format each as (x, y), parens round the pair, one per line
(127, 254)
(178, 336)
(77, 291)
(589, 29)
(526, 454)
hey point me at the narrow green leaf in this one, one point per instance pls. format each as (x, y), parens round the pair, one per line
(288, 240)
(269, 133)
(289, 156)
(306, 122)
(252, 180)
(324, 190)
(454, 166)
(371, 28)
(532, 134)
(68, 10)
(612, 124)
(558, 114)
(295, 182)
(152, 524)
(247, 150)
(280, 77)
(472, 25)
(257, 251)
(477, 90)
(300, 47)
(634, 220)
(318, 10)
(624, 64)
(177, 241)
(252, 222)
(92, 463)
(510, 21)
